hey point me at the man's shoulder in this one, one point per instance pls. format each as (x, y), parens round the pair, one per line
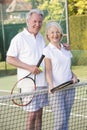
(19, 35)
(40, 35)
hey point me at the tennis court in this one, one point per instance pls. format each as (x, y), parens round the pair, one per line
(13, 117)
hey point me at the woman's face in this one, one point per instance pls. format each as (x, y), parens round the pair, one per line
(53, 34)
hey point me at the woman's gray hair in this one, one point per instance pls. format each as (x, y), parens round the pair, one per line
(53, 23)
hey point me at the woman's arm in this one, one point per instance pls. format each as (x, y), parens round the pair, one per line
(74, 78)
(48, 66)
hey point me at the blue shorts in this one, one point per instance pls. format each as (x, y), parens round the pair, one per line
(38, 102)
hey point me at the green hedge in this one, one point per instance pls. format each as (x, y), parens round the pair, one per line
(78, 32)
(79, 57)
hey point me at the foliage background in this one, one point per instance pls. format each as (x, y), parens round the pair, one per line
(53, 10)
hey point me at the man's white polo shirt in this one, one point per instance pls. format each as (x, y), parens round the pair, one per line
(28, 49)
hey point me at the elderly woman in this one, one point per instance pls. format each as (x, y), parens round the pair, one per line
(58, 71)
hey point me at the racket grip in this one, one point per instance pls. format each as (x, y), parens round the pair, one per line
(40, 60)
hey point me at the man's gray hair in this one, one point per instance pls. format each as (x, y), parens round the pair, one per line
(37, 11)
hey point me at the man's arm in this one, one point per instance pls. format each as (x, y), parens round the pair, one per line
(19, 64)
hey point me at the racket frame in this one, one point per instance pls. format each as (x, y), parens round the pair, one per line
(12, 91)
(63, 85)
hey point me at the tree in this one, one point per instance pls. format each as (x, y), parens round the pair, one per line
(53, 9)
(77, 7)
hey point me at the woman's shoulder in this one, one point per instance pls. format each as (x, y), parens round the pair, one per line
(46, 50)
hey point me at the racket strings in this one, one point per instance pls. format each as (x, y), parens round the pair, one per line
(26, 84)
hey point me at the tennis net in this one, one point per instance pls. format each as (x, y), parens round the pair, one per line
(13, 117)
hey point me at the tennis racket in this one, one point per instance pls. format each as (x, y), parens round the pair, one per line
(27, 84)
(65, 85)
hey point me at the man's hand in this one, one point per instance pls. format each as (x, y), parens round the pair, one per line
(67, 46)
(34, 69)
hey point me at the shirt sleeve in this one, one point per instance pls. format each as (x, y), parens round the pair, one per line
(13, 48)
(46, 52)
(70, 54)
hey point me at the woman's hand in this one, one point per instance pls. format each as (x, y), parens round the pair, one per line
(50, 87)
(74, 78)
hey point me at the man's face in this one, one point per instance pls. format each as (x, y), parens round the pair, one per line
(35, 23)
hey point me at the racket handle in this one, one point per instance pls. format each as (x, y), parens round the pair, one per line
(40, 60)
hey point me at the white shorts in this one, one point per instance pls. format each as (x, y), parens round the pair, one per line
(38, 102)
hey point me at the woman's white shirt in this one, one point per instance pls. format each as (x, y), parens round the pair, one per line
(61, 63)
